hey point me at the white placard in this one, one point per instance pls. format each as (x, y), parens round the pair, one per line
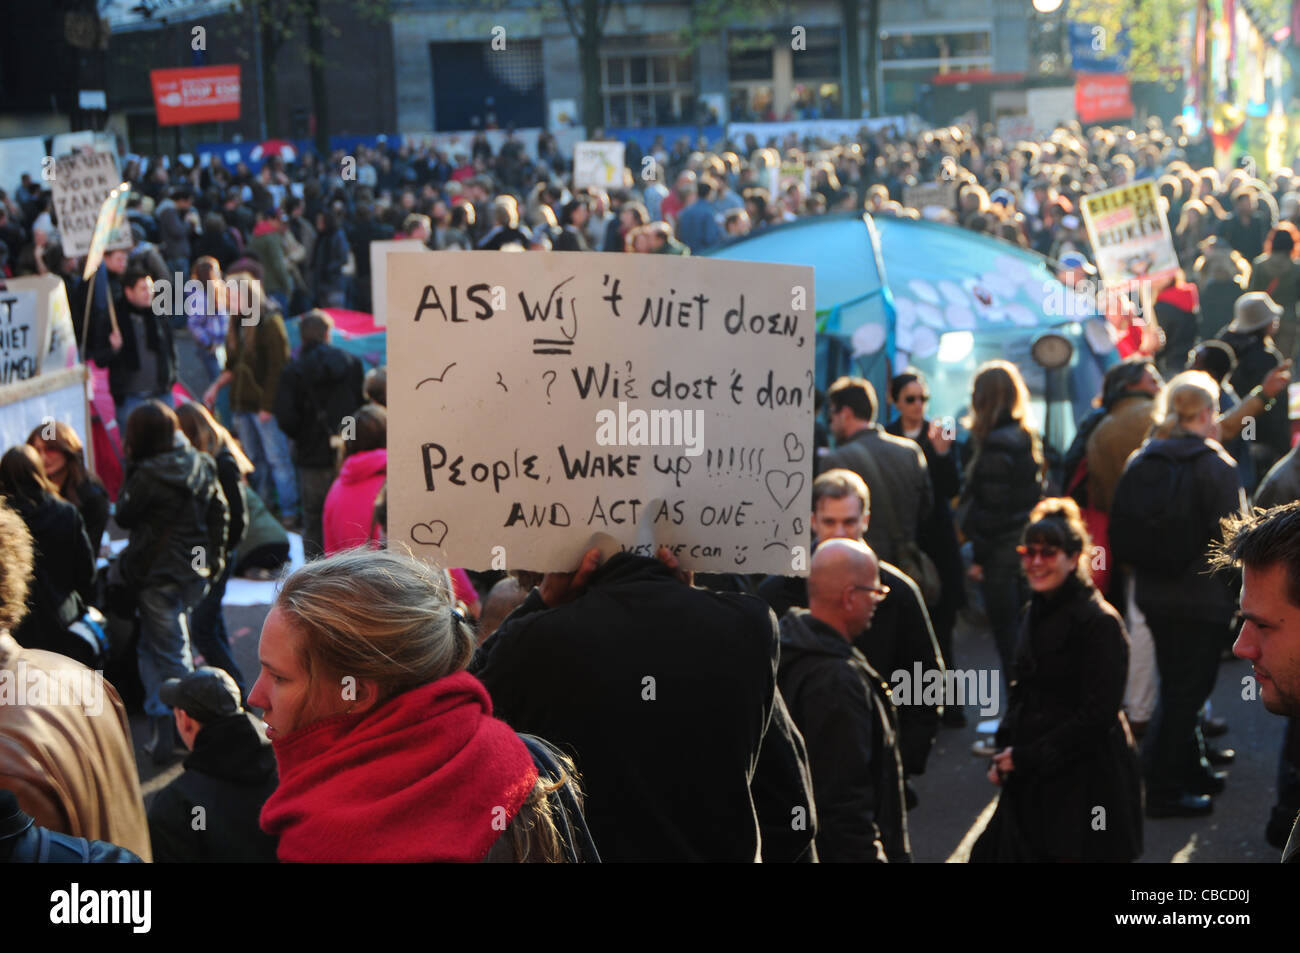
(56, 396)
(20, 347)
(54, 335)
(1129, 233)
(16, 157)
(539, 405)
(598, 165)
(379, 273)
(82, 181)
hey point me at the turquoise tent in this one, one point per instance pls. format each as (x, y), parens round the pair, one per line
(893, 292)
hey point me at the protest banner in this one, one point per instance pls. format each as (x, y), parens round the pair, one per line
(540, 405)
(82, 181)
(112, 229)
(20, 351)
(1015, 127)
(598, 165)
(54, 338)
(379, 273)
(1129, 233)
(59, 395)
(195, 94)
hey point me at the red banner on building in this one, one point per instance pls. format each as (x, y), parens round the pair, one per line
(1099, 97)
(195, 94)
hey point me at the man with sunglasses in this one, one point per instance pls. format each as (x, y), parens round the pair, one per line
(842, 708)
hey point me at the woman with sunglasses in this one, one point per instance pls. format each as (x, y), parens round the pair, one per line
(937, 537)
(1068, 768)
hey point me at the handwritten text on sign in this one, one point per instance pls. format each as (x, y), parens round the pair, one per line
(82, 180)
(20, 351)
(542, 404)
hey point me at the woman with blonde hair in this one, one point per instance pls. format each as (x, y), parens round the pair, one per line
(207, 621)
(1065, 746)
(1004, 482)
(1165, 517)
(405, 762)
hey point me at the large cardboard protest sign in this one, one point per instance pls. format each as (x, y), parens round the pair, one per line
(53, 334)
(598, 165)
(60, 395)
(1129, 233)
(82, 181)
(539, 405)
(379, 252)
(20, 348)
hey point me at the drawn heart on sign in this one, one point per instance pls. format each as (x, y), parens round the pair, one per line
(431, 533)
(790, 485)
(793, 448)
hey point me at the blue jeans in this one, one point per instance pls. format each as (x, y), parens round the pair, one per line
(208, 631)
(164, 650)
(132, 401)
(268, 448)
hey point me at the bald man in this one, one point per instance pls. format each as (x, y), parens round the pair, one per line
(841, 706)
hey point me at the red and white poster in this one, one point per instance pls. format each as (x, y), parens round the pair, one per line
(1099, 97)
(195, 94)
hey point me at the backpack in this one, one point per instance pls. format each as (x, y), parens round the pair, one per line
(1154, 524)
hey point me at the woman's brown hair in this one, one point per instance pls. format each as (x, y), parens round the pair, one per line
(67, 441)
(22, 475)
(1056, 521)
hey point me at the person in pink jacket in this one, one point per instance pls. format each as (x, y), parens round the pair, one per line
(349, 516)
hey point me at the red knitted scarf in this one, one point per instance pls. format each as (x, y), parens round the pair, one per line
(428, 776)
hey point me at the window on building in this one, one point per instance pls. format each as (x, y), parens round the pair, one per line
(647, 89)
(911, 57)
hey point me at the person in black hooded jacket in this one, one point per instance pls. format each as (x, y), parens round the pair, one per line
(64, 574)
(841, 706)
(666, 697)
(316, 392)
(173, 507)
(230, 773)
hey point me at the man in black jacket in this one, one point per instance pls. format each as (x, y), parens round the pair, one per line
(138, 348)
(209, 814)
(900, 636)
(316, 393)
(666, 697)
(841, 706)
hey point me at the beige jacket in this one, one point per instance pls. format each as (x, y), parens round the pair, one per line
(1110, 445)
(65, 748)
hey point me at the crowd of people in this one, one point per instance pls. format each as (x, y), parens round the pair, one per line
(415, 713)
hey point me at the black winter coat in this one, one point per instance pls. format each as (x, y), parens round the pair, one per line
(900, 636)
(664, 696)
(841, 706)
(938, 534)
(63, 579)
(1196, 595)
(171, 503)
(315, 393)
(1256, 356)
(230, 774)
(1071, 748)
(1002, 487)
(232, 485)
(92, 502)
(124, 362)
